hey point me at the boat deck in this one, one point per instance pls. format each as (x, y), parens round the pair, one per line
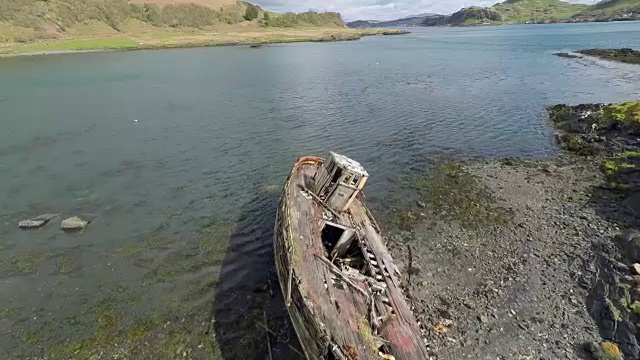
(361, 310)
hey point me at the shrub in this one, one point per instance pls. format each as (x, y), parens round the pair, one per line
(252, 12)
(329, 19)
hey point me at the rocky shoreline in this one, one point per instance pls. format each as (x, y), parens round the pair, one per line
(624, 55)
(530, 259)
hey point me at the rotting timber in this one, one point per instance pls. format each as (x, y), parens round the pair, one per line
(340, 284)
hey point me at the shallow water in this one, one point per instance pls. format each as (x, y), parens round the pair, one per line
(181, 154)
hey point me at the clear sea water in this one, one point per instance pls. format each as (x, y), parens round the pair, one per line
(180, 155)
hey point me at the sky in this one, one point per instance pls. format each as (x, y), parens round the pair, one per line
(379, 9)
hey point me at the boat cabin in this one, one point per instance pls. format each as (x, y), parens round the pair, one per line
(338, 181)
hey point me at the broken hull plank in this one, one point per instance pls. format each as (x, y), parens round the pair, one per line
(338, 311)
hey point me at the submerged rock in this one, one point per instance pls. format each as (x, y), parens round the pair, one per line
(36, 222)
(567, 55)
(73, 224)
(624, 55)
(31, 224)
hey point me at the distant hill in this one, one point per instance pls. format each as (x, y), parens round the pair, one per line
(360, 24)
(438, 20)
(465, 17)
(421, 15)
(609, 10)
(404, 22)
(539, 11)
(214, 4)
(474, 15)
(522, 11)
(58, 16)
(28, 20)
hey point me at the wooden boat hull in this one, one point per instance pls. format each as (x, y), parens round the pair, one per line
(313, 344)
(336, 311)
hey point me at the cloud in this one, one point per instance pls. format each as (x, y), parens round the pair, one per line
(378, 9)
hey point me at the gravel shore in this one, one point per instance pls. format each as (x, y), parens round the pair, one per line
(527, 259)
(515, 291)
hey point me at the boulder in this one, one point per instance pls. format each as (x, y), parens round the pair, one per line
(629, 242)
(31, 224)
(73, 224)
(567, 55)
(36, 222)
(550, 169)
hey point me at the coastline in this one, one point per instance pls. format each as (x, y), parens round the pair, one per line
(159, 40)
(535, 23)
(509, 256)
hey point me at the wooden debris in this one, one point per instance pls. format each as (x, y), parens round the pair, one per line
(275, 335)
(264, 314)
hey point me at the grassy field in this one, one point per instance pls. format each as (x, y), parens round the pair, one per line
(140, 36)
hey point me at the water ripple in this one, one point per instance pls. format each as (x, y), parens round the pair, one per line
(215, 142)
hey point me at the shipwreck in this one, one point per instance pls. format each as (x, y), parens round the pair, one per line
(340, 284)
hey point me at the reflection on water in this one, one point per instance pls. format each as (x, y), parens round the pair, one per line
(178, 261)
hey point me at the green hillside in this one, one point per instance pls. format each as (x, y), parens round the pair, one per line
(539, 11)
(521, 11)
(310, 18)
(473, 16)
(31, 20)
(611, 10)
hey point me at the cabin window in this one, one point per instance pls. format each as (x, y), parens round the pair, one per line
(347, 180)
(330, 236)
(330, 166)
(336, 176)
(354, 181)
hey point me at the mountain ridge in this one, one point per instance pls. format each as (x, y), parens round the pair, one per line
(540, 11)
(402, 22)
(520, 12)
